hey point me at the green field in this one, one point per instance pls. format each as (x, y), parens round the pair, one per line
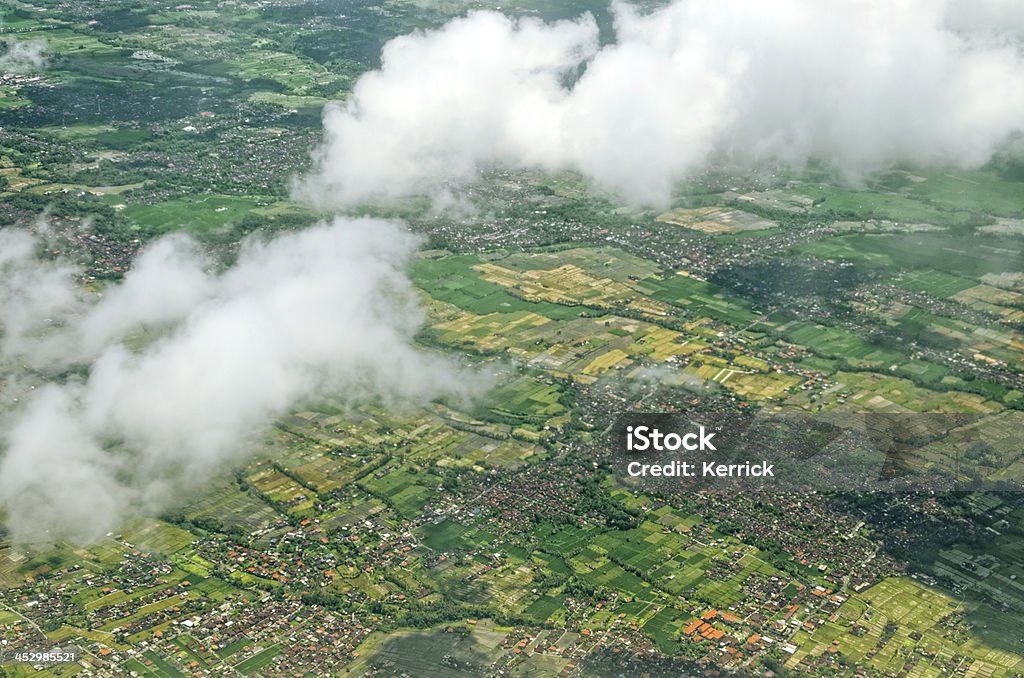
(196, 214)
(701, 299)
(966, 256)
(452, 279)
(258, 661)
(492, 534)
(524, 401)
(406, 488)
(934, 282)
(839, 343)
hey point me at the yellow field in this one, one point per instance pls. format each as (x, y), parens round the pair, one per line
(761, 386)
(664, 344)
(570, 284)
(605, 362)
(715, 220)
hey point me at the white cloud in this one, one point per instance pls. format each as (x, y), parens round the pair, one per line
(23, 56)
(858, 83)
(32, 295)
(328, 310)
(482, 90)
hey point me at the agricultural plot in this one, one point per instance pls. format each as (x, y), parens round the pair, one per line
(296, 75)
(12, 22)
(979, 450)
(729, 591)
(969, 257)
(453, 439)
(926, 372)
(641, 548)
(835, 342)
(165, 604)
(113, 137)
(258, 661)
(583, 347)
(232, 508)
(358, 519)
(158, 536)
(476, 451)
(313, 464)
(198, 214)
(9, 98)
(280, 489)
(358, 432)
(523, 401)
(716, 220)
(158, 666)
(515, 333)
(544, 607)
(566, 539)
(320, 472)
(906, 209)
(600, 262)
(990, 340)
(879, 393)
(936, 283)
(676, 520)
(700, 298)
(993, 448)
(18, 565)
(974, 191)
(454, 280)
(94, 600)
(882, 226)
(62, 40)
(1006, 304)
(902, 619)
(776, 199)
(588, 349)
(613, 359)
(540, 665)
(405, 488)
(289, 101)
(659, 344)
(603, 572)
(425, 653)
(447, 535)
(665, 628)
(509, 585)
(984, 574)
(573, 286)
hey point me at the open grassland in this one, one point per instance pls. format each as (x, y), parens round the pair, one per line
(970, 257)
(196, 214)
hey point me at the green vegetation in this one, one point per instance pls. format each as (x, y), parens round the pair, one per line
(970, 256)
(199, 214)
(458, 538)
(453, 280)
